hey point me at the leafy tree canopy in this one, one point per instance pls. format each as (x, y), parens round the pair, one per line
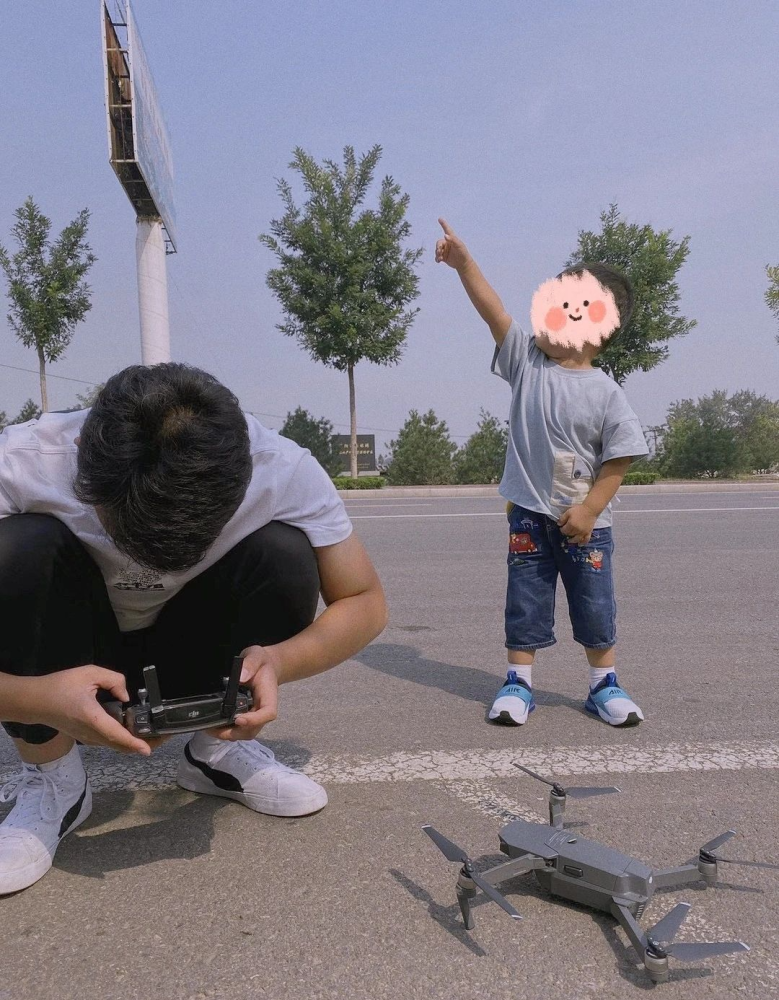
(47, 293)
(482, 457)
(423, 452)
(651, 260)
(316, 435)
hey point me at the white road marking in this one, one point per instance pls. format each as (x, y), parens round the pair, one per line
(635, 491)
(451, 765)
(493, 803)
(109, 770)
(500, 513)
(640, 491)
(423, 503)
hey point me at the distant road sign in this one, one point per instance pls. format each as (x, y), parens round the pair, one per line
(139, 147)
(366, 451)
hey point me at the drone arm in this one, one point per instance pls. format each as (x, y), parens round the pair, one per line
(510, 869)
(631, 926)
(672, 877)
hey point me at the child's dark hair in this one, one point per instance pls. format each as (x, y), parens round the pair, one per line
(616, 282)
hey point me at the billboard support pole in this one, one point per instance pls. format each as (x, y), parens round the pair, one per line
(152, 291)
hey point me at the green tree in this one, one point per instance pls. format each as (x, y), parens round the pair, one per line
(87, 399)
(756, 419)
(711, 436)
(30, 411)
(316, 435)
(482, 457)
(772, 292)
(651, 260)
(46, 291)
(344, 279)
(762, 441)
(423, 452)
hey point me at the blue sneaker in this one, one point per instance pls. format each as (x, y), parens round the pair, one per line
(612, 704)
(514, 702)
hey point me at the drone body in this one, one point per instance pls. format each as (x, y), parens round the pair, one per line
(577, 869)
(592, 874)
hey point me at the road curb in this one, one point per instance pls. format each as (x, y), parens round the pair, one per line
(444, 492)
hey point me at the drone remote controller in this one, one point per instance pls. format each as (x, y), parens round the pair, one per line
(152, 716)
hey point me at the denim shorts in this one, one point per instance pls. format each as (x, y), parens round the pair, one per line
(538, 553)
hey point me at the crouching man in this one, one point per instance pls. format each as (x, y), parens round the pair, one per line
(163, 526)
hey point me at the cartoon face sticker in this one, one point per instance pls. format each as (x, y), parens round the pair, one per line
(572, 311)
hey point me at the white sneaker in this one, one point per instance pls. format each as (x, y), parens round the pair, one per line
(51, 801)
(248, 772)
(513, 703)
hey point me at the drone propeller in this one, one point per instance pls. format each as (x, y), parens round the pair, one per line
(695, 952)
(752, 864)
(454, 853)
(707, 853)
(586, 793)
(557, 788)
(449, 850)
(658, 940)
(718, 842)
(666, 929)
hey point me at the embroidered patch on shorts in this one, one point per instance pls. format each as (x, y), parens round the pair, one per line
(595, 559)
(521, 542)
(578, 554)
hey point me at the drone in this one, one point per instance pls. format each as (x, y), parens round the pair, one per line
(589, 873)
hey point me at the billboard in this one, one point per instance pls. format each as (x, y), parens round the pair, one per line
(366, 451)
(139, 148)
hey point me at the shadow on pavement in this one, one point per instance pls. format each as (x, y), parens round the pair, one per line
(447, 916)
(406, 663)
(185, 831)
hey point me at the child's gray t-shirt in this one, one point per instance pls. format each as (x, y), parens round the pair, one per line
(564, 424)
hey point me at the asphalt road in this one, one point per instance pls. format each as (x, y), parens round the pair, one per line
(165, 893)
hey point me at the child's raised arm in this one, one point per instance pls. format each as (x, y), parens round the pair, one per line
(452, 251)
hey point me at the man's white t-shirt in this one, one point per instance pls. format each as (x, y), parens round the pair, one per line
(38, 465)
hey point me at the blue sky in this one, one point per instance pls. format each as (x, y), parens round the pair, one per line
(519, 122)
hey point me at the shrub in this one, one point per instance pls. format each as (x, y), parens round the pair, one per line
(640, 478)
(361, 483)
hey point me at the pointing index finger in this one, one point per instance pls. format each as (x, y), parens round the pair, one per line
(446, 227)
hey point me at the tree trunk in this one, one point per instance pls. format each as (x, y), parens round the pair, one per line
(42, 368)
(353, 423)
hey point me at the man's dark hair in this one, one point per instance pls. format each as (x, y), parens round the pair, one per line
(616, 282)
(164, 455)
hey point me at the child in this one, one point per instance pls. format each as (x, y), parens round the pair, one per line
(572, 437)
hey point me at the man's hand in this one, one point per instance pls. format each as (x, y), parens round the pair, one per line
(261, 674)
(451, 250)
(577, 524)
(67, 701)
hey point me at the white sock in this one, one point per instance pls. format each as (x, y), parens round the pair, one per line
(69, 766)
(598, 674)
(523, 671)
(205, 747)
